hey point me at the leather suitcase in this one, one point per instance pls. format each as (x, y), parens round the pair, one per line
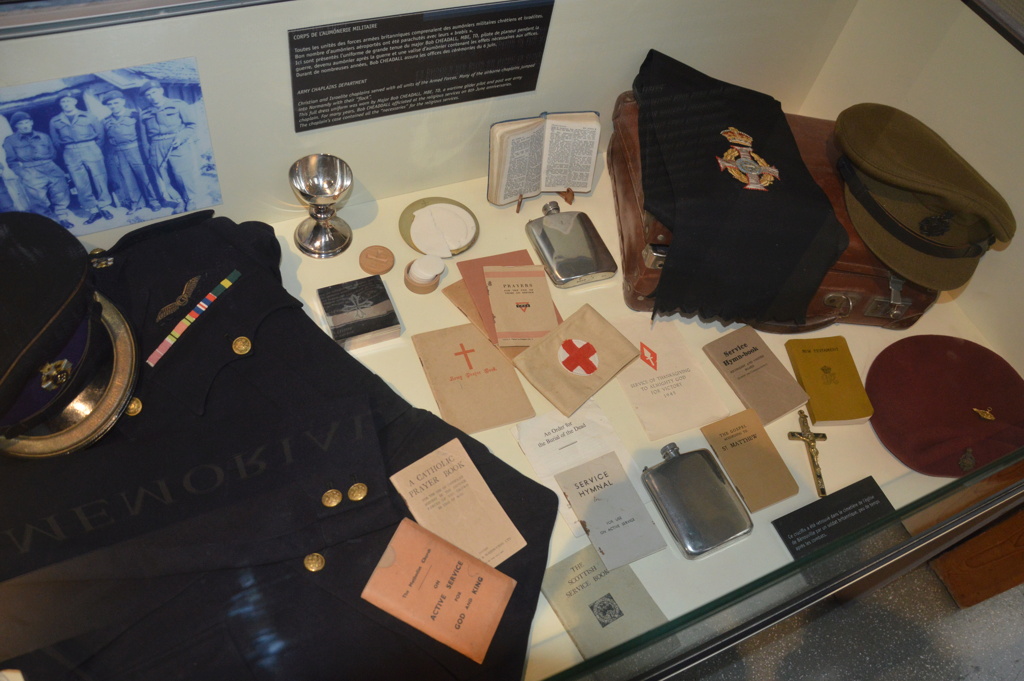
(858, 289)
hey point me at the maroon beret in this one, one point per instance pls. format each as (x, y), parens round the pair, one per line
(945, 406)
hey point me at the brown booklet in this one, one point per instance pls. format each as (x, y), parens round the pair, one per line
(750, 459)
(475, 385)
(521, 303)
(440, 589)
(473, 274)
(457, 294)
(755, 374)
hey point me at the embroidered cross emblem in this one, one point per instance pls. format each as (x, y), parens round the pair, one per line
(743, 164)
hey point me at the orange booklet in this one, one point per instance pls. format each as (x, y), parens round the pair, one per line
(440, 589)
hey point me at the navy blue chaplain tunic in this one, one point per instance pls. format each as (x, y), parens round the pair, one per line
(179, 545)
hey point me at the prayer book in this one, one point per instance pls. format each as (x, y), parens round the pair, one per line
(359, 312)
(551, 152)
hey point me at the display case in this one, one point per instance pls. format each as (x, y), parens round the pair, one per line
(936, 60)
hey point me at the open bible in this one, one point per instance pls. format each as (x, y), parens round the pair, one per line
(549, 153)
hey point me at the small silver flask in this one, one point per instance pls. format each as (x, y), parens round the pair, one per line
(569, 247)
(696, 499)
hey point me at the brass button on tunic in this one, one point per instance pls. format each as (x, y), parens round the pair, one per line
(241, 345)
(134, 407)
(314, 562)
(357, 492)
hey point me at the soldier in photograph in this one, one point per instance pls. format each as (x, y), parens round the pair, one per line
(6, 202)
(169, 125)
(31, 155)
(79, 135)
(124, 134)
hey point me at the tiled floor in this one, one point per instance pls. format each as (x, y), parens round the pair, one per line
(911, 630)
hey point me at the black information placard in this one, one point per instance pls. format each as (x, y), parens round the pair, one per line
(378, 67)
(832, 517)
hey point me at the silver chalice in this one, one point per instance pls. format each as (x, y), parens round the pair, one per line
(320, 181)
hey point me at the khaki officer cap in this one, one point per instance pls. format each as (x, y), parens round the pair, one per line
(918, 205)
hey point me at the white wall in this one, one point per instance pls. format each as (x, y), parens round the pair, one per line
(940, 62)
(932, 58)
(593, 51)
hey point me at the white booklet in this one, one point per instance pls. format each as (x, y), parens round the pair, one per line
(447, 495)
(599, 608)
(554, 443)
(608, 506)
(666, 386)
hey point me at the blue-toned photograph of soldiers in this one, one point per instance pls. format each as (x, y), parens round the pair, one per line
(108, 149)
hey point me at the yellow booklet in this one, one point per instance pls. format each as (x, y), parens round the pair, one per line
(826, 371)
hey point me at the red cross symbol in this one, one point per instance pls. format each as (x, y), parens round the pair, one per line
(465, 353)
(578, 357)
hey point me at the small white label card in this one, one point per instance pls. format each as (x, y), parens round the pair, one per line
(667, 387)
(554, 443)
(608, 506)
(447, 495)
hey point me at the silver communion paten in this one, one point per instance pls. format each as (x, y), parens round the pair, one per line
(320, 181)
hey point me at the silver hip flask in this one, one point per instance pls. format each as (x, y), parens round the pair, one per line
(700, 506)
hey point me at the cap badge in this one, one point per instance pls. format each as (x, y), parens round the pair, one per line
(743, 164)
(984, 413)
(179, 302)
(936, 225)
(55, 374)
(967, 460)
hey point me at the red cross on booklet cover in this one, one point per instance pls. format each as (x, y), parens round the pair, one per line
(474, 384)
(575, 360)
